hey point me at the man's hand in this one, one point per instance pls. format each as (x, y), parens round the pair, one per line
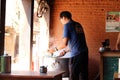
(51, 50)
(62, 53)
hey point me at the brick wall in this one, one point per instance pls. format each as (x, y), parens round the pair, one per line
(91, 14)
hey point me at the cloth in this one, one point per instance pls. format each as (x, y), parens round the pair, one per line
(57, 53)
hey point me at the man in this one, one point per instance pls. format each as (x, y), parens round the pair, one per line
(73, 36)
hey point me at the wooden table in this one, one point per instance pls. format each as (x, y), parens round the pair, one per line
(31, 75)
(116, 76)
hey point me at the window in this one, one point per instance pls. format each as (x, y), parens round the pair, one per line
(40, 34)
(18, 34)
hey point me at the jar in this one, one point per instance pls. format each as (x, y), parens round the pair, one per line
(5, 63)
(43, 69)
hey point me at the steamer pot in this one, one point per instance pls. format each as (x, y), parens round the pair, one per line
(5, 63)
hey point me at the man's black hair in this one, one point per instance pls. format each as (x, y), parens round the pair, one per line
(66, 14)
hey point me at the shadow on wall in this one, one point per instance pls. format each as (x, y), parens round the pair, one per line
(94, 69)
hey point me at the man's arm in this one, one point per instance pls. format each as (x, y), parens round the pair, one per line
(62, 45)
(118, 42)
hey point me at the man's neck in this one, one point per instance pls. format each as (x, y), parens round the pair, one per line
(67, 21)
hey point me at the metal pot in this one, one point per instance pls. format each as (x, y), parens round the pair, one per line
(5, 63)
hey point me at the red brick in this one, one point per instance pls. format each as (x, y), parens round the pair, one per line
(92, 15)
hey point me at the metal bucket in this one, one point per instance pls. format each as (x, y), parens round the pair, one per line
(5, 64)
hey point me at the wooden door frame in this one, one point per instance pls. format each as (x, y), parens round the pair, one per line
(2, 25)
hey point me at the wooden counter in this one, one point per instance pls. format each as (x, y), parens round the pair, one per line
(31, 75)
(108, 64)
(116, 76)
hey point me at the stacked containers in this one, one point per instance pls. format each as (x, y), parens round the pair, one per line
(5, 63)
